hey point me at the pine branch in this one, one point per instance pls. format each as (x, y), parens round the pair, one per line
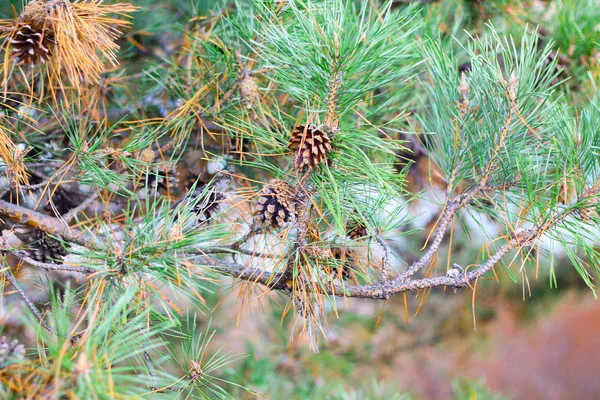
(10, 278)
(383, 290)
(24, 256)
(44, 223)
(445, 221)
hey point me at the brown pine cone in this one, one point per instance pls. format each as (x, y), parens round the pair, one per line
(161, 178)
(47, 249)
(30, 45)
(63, 200)
(309, 145)
(208, 205)
(276, 204)
(356, 230)
(590, 211)
(41, 246)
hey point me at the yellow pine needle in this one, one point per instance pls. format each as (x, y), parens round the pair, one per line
(12, 156)
(83, 34)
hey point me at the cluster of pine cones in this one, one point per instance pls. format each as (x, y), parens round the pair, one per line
(276, 204)
(277, 201)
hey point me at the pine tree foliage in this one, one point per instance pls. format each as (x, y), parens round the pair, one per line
(274, 142)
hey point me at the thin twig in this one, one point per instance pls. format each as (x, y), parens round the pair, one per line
(23, 256)
(232, 250)
(73, 212)
(28, 302)
(30, 187)
(444, 223)
(150, 366)
(386, 263)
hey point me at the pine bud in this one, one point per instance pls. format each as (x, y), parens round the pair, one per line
(248, 89)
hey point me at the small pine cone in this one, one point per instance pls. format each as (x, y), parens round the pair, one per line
(586, 213)
(162, 178)
(47, 249)
(356, 230)
(10, 352)
(318, 252)
(30, 45)
(146, 155)
(63, 201)
(41, 246)
(309, 145)
(276, 204)
(208, 205)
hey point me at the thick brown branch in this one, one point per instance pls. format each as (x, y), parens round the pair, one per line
(387, 289)
(43, 223)
(277, 281)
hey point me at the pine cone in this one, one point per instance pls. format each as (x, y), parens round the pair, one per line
(317, 252)
(309, 145)
(208, 205)
(47, 249)
(10, 351)
(30, 45)
(42, 247)
(162, 178)
(591, 211)
(356, 230)
(276, 204)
